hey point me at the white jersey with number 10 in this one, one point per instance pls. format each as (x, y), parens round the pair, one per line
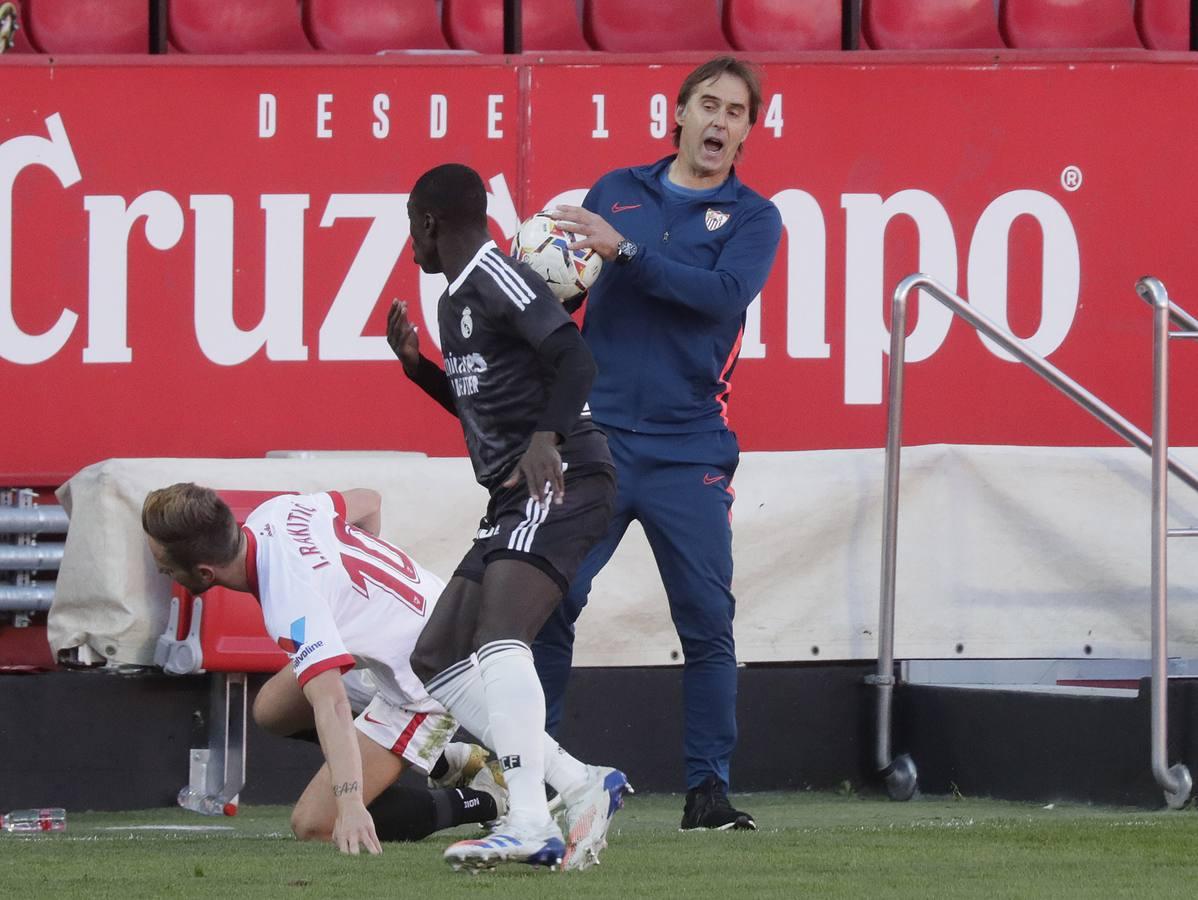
(337, 597)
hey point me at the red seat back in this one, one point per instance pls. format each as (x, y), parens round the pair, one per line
(1164, 24)
(783, 24)
(368, 26)
(637, 26)
(233, 634)
(1068, 24)
(929, 24)
(237, 26)
(87, 26)
(545, 25)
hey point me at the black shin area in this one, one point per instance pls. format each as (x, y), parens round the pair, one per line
(411, 814)
(440, 767)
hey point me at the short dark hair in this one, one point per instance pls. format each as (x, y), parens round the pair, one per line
(453, 193)
(192, 524)
(710, 71)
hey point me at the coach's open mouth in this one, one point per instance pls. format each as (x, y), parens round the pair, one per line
(713, 145)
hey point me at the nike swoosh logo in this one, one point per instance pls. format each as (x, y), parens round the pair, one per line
(713, 479)
(367, 717)
(623, 207)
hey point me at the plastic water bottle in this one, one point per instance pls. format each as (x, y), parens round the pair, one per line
(188, 798)
(206, 805)
(31, 821)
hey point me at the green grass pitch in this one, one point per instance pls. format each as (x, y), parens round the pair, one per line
(808, 845)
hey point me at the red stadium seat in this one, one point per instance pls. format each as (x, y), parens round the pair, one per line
(635, 26)
(369, 26)
(1164, 24)
(237, 26)
(87, 26)
(783, 24)
(1068, 24)
(21, 37)
(546, 25)
(228, 630)
(929, 24)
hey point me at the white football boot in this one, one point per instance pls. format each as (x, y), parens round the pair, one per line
(509, 841)
(588, 811)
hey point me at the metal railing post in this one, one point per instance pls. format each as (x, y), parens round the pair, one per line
(1175, 781)
(900, 773)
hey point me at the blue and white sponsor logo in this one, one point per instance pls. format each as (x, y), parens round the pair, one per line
(305, 653)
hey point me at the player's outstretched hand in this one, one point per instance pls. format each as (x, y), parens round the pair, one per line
(597, 232)
(403, 336)
(540, 468)
(355, 829)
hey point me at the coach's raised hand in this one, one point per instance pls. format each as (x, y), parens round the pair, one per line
(403, 336)
(597, 232)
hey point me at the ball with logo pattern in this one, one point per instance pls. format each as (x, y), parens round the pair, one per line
(545, 246)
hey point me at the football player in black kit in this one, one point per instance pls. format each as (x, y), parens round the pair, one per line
(517, 375)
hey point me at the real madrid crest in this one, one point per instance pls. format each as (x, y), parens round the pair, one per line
(467, 323)
(715, 219)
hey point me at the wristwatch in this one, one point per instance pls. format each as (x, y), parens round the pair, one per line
(625, 251)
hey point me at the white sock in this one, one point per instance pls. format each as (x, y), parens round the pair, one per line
(516, 712)
(563, 772)
(460, 690)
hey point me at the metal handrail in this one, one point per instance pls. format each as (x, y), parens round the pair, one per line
(1153, 293)
(900, 772)
(1175, 781)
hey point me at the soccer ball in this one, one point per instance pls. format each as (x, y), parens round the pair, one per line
(545, 247)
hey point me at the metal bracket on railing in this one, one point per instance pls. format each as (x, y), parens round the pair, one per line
(899, 773)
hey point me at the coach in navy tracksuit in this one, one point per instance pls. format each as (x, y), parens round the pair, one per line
(687, 248)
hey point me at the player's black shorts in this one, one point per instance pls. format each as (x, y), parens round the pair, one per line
(553, 538)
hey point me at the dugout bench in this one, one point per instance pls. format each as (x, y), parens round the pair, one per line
(220, 633)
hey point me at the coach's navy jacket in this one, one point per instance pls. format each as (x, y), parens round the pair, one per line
(665, 328)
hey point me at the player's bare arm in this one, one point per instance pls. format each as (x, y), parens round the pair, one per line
(599, 234)
(335, 728)
(363, 508)
(540, 468)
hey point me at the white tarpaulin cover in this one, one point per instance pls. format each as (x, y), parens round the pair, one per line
(1003, 552)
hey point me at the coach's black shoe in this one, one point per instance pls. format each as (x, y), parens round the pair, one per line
(707, 808)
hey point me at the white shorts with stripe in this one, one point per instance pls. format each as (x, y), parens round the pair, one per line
(417, 737)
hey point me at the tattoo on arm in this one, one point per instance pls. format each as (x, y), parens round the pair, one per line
(347, 787)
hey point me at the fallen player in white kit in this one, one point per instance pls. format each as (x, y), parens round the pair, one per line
(336, 598)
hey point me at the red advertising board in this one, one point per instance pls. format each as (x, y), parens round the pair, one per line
(196, 259)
